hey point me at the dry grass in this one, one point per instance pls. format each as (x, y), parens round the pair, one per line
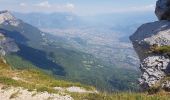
(33, 79)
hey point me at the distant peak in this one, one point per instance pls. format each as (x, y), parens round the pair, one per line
(7, 18)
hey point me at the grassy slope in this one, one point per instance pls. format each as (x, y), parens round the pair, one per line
(35, 79)
(32, 79)
(86, 73)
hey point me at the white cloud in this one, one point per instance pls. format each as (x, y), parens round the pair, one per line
(144, 8)
(70, 6)
(44, 4)
(23, 4)
(150, 7)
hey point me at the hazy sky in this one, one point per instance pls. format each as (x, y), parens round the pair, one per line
(81, 7)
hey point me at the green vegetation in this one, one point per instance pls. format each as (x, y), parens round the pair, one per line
(88, 70)
(33, 79)
(161, 50)
(17, 62)
(55, 57)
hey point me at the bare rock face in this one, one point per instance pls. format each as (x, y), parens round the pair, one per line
(154, 67)
(7, 18)
(7, 45)
(155, 33)
(162, 10)
(153, 70)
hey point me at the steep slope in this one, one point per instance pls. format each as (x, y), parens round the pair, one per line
(31, 84)
(34, 84)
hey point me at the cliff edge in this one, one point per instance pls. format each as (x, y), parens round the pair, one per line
(151, 41)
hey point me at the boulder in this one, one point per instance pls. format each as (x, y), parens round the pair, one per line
(162, 10)
(155, 33)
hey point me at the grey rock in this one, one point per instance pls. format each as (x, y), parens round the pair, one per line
(162, 10)
(7, 18)
(153, 70)
(150, 34)
(154, 67)
(166, 85)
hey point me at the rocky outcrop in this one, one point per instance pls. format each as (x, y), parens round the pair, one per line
(162, 10)
(7, 45)
(18, 93)
(153, 70)
(155, 33)
(155, 67)
(7, 18)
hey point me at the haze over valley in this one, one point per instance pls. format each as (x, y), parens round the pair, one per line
(102, 38)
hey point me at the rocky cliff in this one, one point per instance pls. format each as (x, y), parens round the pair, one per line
(7, 45)
(151, 41)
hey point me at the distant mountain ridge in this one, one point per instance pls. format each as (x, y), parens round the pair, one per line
(52, 20)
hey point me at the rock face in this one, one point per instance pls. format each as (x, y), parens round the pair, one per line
(155, 33)
(7, 18)
(155, 67)
(7, 45)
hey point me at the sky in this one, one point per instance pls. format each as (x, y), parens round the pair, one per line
(80, 7)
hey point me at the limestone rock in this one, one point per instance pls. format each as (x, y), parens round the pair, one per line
(155, 33)
(153, 70)
(154, 67)
(166, 86)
